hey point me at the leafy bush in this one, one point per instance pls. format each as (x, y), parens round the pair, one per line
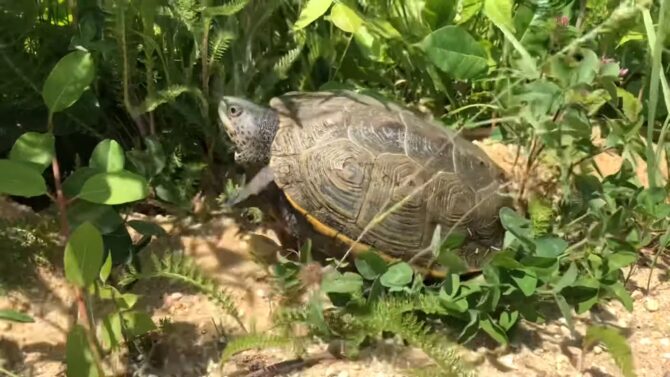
(109, 104)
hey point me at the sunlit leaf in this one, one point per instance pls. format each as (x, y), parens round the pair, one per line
(345, 18)
(456, 52)
(68, 80)
(114, 188)
(397, 275)
(20, 179)
(83, 255)
(78, 355)
(14, 316)
(107, 157)
(34, 147)
(312, 10)
(615, 343)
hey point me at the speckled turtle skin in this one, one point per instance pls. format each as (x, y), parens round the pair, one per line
(346, 158)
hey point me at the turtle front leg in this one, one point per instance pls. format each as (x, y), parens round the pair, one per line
(257, 184)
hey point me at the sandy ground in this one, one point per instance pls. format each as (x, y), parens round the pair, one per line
(193, 344)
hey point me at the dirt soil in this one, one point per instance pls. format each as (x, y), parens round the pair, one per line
(227, 254)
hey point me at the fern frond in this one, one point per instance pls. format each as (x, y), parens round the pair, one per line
(219, 45)
(177, 267)
(228, 9)
(255, 340)
(169, 94)
(282, 66)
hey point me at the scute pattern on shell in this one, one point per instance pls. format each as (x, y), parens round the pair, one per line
(347, 158)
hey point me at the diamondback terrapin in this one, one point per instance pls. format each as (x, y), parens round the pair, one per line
(355, 172)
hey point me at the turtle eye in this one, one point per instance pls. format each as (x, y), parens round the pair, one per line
(234, 111)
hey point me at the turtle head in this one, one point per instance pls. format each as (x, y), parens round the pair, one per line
(250, 127)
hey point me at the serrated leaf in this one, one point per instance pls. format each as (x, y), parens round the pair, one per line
(345, 18)
(35, 148)
(454, 51)
(107, 157)
(615, 343)
(312, 10)
(14, 316)
(114, 188)
(370, 265)
(78, 355)
(397, 275)
(229, 9)
(83, 255)
(68, 80)
(20, 179)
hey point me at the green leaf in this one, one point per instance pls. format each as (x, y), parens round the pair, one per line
(83, 255)
(451, 285)
(507, 319)
(14, 316)
(20, 179)
(106, 268)
(398, 275)
(68, 80)
(138, 323)
(111, 331)
(147, 228)
(312, 10)
(620, 259)
(568, 278)
(456, 52)
(619, 291)
(345, 18)
(550, 246)
(615, 343)
(342, 283)
(565, 309)
(452, 261)
(114, 188)
(103, 217)
(75, 181)
(34, 147)
(467, 9)
(500, 12)
(470, 330)
(517, 225)
(79, 358)
(370, 265)
(107, 157)
(525, 280)
(493, 330)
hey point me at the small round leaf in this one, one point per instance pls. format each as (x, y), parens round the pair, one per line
(398, 275)
(114, 188)
(108, 156)
(34, 147)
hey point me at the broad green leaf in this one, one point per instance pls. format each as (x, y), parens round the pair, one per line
(79, 358)
(342, 283)
(525, 280)
(370, 265)
(83, 255)
(451, 285)
(345, 18)
(517, 225)
(507, 319)
(550, 246)
(34, 147)
(493, 330)
(75, 181)
(20, 179)
(619, 291)
(14, 316)
(114, 188)
(103, 217)
(568, 278)
(107, 157)
(312, 10)
(398, 275)
(452, 261)
(138, 323)
(147, 228)
(620, 259)
(500, 12)
(371, 46)
(615, 343)
(456, 52)
(106, 268)
(68, 80)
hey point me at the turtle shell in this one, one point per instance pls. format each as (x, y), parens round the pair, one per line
(376, 175)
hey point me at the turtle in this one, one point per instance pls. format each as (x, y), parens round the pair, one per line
(356, 172)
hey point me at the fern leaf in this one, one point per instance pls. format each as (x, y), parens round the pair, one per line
(219, 45)
(161, 97)
(255, 340)
(228, 9)
(282, 66)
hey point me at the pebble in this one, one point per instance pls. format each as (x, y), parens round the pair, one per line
(597, 350)
(651, 304)
(5, 326)
(637, 294)
(665, 342)
(666, 355)
(645, 341)
(508, 361)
